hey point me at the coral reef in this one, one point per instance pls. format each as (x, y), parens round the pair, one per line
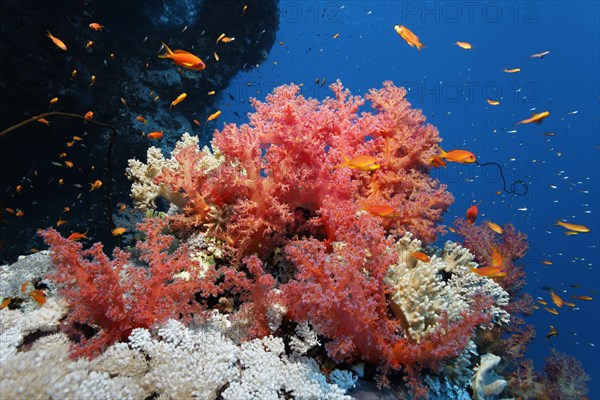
(275, 268)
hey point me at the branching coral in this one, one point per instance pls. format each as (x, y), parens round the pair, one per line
(284, 160)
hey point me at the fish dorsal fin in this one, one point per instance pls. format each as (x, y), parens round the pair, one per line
(179, 51)
(496, 257)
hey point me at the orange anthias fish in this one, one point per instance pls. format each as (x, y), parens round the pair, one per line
(88, 115)
(495, 227)
(537, 118)
(96, 26)
(490, 272)
(155, 135)
(573, 227)
(381, 210)
(511, 71)
(556, 299)
(364, 163)
(408, 36)
(59, 43)
(471, 214)
(39, 296)
(492, 102)
(118, 231)
(141, 119)
(183, 59)
(464, 45)
(179, 99)
(96, 185)
(459, 156)
(213, 116)
(78, 236)
(584, 298)
(551, 310)
(419, 255)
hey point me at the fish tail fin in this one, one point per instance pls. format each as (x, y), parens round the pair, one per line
(420, 46)
(345, 162)
(167, 54)
(49, 34)
(442, 152)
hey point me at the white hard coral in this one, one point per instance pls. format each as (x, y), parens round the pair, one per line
(486, 383)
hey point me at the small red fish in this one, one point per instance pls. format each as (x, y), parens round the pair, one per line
(96, 26)
(471, 214)
(155, 135)
(419, 255)
(78, 236)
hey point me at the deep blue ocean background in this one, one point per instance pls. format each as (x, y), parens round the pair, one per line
(451, 86)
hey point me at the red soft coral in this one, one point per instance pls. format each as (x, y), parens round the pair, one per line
(115, 296)
(342, 293)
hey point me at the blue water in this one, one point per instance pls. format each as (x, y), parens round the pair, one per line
(451, 86)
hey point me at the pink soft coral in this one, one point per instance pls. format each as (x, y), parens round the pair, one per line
(283, 161)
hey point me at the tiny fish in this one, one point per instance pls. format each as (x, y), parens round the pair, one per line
(92, 80)
(408, 36)
(69, 164)
(464, 45)
(155, 135)
(553, 332)
(492, 102)
(141, 119)
(96, 26)
(213, 116)
(540, 55)
(78, 236)
(179, 99)
(495, 227)
(88, 115)
(573, 227)
(59, 43)
(419, 255)
(584, 298)
(551, 310)
(118, 231)
(96, 184)
(53, 100)
(511, 71)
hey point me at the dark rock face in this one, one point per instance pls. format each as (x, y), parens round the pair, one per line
(130, 80)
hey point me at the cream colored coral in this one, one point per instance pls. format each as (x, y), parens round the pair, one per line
(143, 189)
(425, 290)
(486, 383)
